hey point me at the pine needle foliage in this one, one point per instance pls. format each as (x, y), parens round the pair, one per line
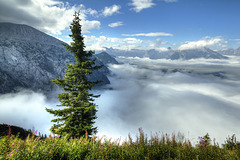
(78, 112)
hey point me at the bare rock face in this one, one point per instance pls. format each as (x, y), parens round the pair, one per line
(105, 58)
(29, 59)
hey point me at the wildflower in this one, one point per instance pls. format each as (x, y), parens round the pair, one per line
(33, 131)
(12, 144)
(33, 147)
(16, 150)
(39, 138)
(9, 155)
(53, 144)
(9, 130)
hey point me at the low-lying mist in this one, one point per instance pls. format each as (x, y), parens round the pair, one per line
(26, 109)
(193, 97)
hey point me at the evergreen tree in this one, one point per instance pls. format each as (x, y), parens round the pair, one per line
(79, 112)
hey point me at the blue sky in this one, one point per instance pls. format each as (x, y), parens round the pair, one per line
(134, 24)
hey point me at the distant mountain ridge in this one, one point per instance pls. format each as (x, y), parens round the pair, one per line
(195, 53)
(170, 54)
(29, 59)
(232, 52)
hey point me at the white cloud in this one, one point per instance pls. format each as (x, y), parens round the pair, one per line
(141, 4)
(169, 1)
(116, 24)
(161, 49)
(237, 41)
(49, 16)
(158, 42)
(125, 44)
(102, 42)
(205, 42)
(132, 40)
(155, 34)
(130, 43)
(92, 11)
(26, 109)
(88, 25)
(108, 11)
(143, 96)
(87, 11)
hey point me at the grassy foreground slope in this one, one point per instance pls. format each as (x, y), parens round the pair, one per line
(155, 147)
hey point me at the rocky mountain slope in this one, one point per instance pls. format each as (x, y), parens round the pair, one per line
(29, 59)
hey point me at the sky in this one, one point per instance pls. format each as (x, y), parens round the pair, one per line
(134, 24)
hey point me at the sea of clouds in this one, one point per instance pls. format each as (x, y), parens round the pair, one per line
(193, 97)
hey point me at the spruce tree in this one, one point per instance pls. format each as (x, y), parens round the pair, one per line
(79, 111)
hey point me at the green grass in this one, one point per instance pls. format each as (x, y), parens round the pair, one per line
(155, 147)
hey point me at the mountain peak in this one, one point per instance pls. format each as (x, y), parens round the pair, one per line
(106, 58)
(22, 32)
(29, 59)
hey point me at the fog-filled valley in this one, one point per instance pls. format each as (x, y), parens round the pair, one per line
(193, 97)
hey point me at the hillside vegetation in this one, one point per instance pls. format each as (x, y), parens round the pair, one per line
(155, 147)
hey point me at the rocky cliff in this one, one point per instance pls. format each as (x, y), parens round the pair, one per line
(29, 59)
